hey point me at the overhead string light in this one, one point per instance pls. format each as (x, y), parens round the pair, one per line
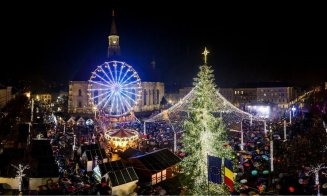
(231, 115)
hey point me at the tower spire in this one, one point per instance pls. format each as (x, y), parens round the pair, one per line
(114, 48)
(113, 30)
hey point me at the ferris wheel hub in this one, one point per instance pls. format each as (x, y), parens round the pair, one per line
(116, 88)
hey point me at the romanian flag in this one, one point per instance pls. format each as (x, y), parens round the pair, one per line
(229, 175)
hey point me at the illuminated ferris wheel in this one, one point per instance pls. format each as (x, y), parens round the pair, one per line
(114, 88)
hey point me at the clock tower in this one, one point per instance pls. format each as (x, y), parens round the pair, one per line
(114, 48)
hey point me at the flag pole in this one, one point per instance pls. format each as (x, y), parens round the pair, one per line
(223, 168)
(208, 172)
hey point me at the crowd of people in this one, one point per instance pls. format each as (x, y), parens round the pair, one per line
(293, 159)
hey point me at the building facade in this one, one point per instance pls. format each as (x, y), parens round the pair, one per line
(78, 99)
(281, 96)
(244, 96)
(5, 96)
(174, 97)
(44, 98)
(152, 94)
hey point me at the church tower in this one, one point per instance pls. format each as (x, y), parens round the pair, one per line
(114, 48)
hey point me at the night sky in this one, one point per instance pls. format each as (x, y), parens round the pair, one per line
(59, 42)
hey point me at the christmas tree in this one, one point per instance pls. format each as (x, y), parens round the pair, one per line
(204, 134)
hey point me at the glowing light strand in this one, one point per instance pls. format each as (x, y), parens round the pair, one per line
(119, 87)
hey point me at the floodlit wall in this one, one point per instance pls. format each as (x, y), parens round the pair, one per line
(124, 189)
(34, 183)
(9, 183)
(5, 96)
(78, 100)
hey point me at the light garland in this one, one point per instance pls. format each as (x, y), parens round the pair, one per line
(203, 133)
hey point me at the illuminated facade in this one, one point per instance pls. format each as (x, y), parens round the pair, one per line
(152, 94)
(78, 100)
(44, 98)
(5, 96)
(174, 97)
(280, 96)
(243, 96)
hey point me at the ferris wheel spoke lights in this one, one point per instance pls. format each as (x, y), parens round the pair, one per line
(114, 88)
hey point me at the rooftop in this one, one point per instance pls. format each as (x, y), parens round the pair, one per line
(158, 160)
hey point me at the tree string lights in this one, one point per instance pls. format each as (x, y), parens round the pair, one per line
(204, 134)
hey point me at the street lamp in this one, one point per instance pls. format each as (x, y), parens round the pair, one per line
(271, 150)
(175, 135)
(242, 136)
(74, 144)
(285, 136)
(32, 109)
(95, 112)
(293, 110)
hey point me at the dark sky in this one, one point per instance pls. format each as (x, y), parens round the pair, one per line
(248, 43)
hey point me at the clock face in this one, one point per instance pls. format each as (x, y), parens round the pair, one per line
(114, 40)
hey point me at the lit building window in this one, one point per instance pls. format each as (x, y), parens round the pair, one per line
(149, 101)
(158, 97)
(144, 97)
(153, 97)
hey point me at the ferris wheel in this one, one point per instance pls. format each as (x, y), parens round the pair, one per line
(114, 88)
